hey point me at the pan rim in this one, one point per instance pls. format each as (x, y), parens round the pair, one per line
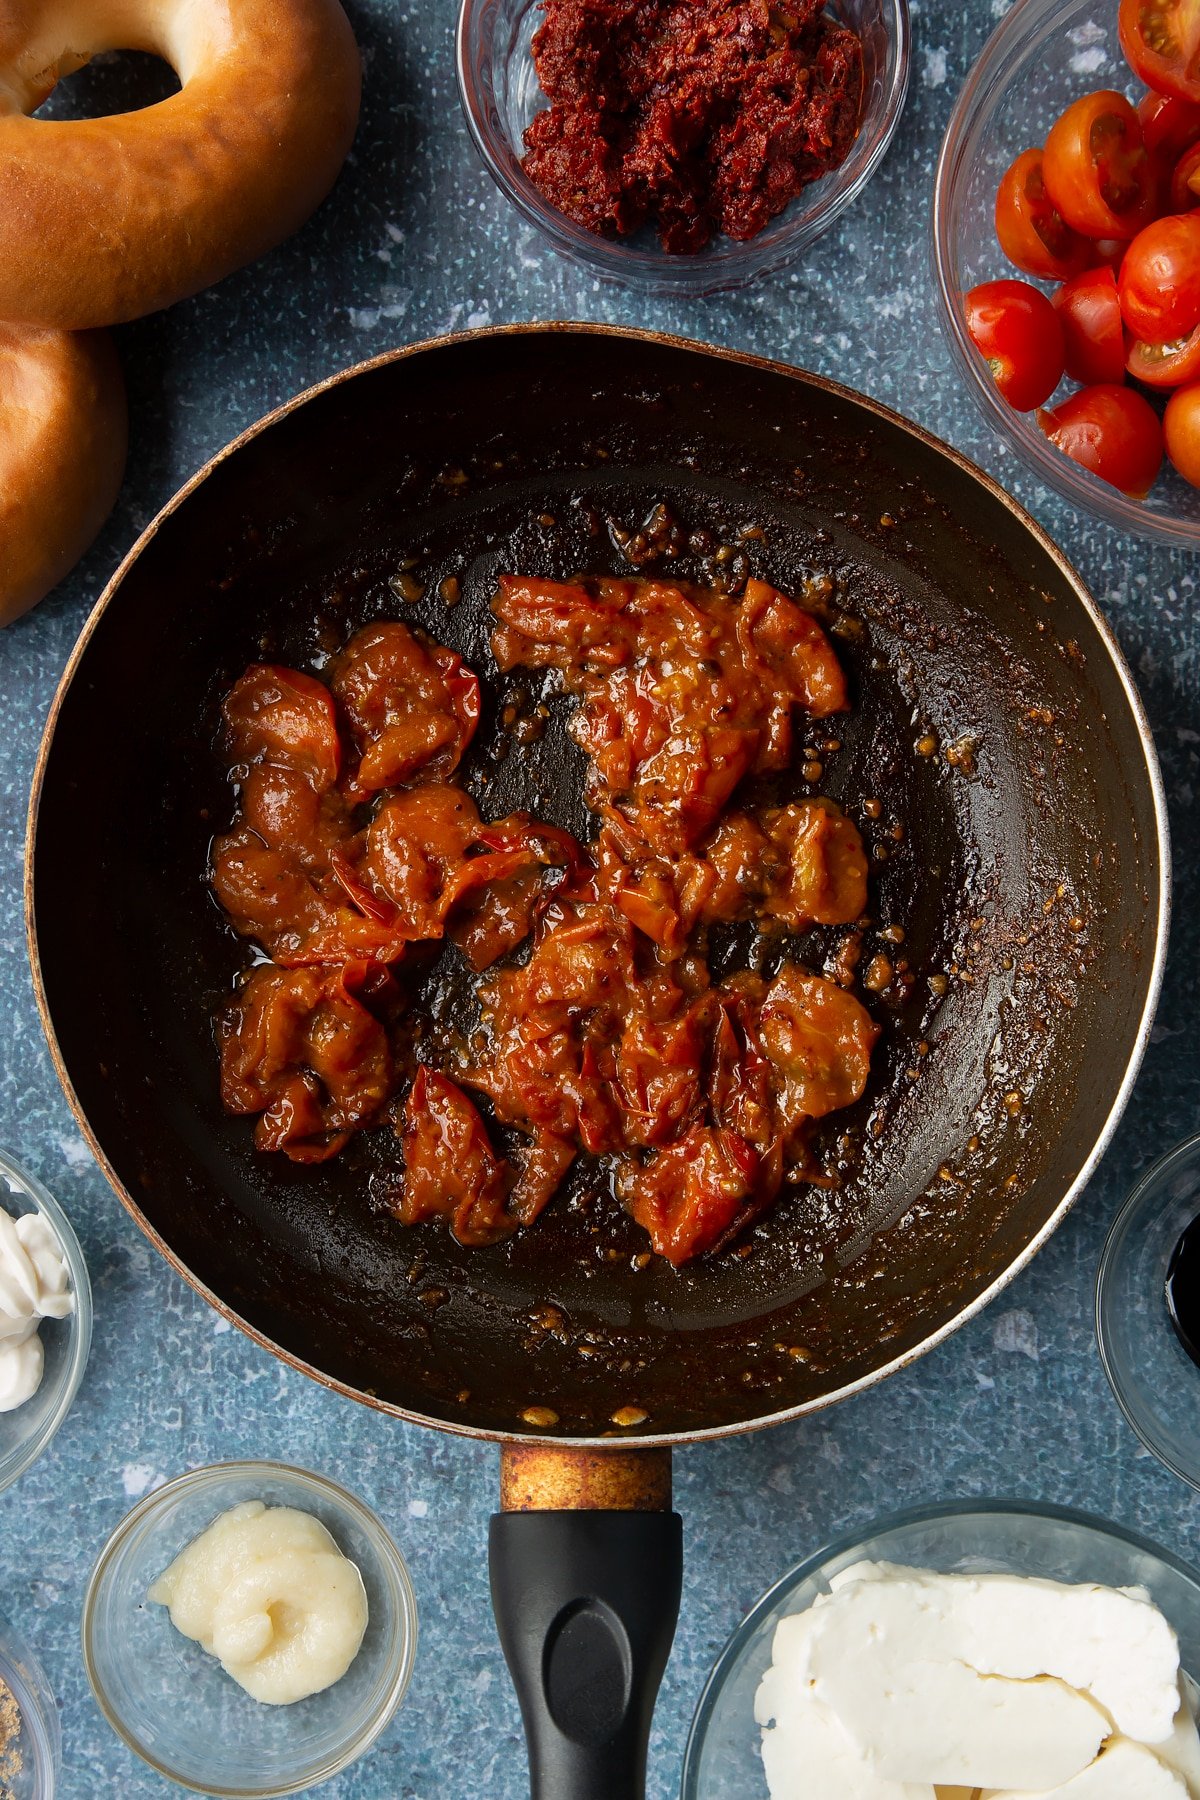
(823, 384)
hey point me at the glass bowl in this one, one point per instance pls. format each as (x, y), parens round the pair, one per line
(37, 1748)
(722, 1761)
(174, 1704)
(1154, 1379)
(1043, 55)
(500, 94)
(26, 1432)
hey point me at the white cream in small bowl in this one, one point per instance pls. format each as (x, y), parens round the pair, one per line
(903, 1684)
(45, 1319)
(34, 1285)
(267, 1591)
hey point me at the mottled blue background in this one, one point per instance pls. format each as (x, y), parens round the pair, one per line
(415, 241)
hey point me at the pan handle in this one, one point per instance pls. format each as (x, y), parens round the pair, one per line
(587, 1567)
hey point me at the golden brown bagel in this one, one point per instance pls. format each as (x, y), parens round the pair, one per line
(62, 454)
(102, 220)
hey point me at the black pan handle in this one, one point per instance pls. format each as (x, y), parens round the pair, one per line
(586, 1602)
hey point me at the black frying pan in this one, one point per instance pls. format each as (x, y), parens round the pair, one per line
(1020, 842)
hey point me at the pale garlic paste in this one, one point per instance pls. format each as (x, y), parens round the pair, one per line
(267, 1591)
(34, 1285)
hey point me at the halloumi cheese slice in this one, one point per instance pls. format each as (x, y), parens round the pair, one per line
(1125, 1771)
(806, 1752)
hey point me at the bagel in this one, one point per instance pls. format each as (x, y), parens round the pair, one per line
(103, 220)
(62, 455)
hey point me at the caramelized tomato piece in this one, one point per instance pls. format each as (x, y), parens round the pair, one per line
(285, 875)
(790, 643)
(450, 1168)
(495, 914)
(412, 708)
(549, 1062)
(651, 901)
(745, 864)
(822, 878)
(583, 960)
(273, 896)
(298, 1048)
(281, 716)
(265, 892)
(416, 844)
(741, 1087)
(543, 1167)
(558, 624)
(282, 807)
(659, 1065)
(802, 864)
(689, 1195)
(819, 1039)
(495, 895)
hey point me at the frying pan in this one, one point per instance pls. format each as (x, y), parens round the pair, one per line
(1017, 837)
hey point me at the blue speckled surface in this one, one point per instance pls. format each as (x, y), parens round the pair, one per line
(414, 242)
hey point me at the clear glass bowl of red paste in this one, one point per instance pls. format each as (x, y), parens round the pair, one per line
(501, 94)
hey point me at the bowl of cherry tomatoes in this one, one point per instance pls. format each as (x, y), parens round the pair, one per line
(1066, 238)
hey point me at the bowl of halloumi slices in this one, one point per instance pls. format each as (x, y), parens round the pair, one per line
(990, 1651)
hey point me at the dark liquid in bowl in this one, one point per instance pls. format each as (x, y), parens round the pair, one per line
(1183, 1289)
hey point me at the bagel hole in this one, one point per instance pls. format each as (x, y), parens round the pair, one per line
(115, 81)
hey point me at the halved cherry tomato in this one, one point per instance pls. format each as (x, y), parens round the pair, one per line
(1093, 337)
(1031, 231)
(1165, 365)
(1161, 41)
(1169, 125)
(1185, 181)
(1160, 279)
(1096, 169)
(1112, 431)
(1181, 430)
(1015, 327)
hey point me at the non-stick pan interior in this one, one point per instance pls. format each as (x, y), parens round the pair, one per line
(1016, 843)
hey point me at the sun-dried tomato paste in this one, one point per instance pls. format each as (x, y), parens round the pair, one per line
(606, 1035)
(702, 116)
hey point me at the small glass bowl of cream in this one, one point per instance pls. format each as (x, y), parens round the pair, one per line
(175, 1705)
(26, 1431)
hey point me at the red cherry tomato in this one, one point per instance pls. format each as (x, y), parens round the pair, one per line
(1161, 41)
(1184, 186)
(1093, 337)
(1031, 231)
(1181, 431)
(1015, 327)
(1160, 279)
(1096, 168)
(1112, 431)
(1169, 125)
(1165, 365)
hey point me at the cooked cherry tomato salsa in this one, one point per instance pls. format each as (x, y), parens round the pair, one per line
(602, 1029)
(702, 116)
